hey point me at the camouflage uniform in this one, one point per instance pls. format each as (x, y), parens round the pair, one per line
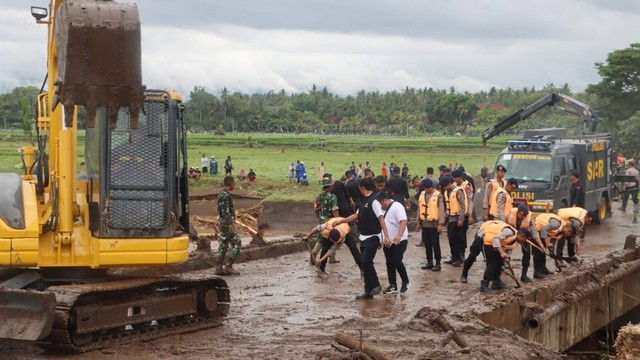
(327, 203)
(226, 223)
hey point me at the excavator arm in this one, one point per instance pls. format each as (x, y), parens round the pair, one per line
(564, 102)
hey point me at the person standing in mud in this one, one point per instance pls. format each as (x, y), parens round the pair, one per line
(499, 239)
(229, 238)
(395, 217)
(430, 220)
(491, 187)
(326, 207)
(346, 207)
(372, 226)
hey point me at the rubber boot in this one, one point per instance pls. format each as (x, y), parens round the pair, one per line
(220, 271)
(524, 277)
(497, 284)
(229, 268)
(427, 266)
(484, 286)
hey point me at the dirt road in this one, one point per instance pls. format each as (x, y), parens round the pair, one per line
(281, 309)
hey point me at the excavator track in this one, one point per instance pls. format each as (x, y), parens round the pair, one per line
(99, 315)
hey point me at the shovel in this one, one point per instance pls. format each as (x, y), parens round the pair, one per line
(555, 260)
(512, 274)
(554, 256)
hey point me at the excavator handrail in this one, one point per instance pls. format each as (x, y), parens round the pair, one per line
(577, 108)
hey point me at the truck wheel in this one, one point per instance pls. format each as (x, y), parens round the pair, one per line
(602, 209)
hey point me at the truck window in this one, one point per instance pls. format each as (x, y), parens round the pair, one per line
(527, 166)
(560, 165)
(571, 163)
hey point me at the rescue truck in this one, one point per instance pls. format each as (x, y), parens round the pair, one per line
(543, 159)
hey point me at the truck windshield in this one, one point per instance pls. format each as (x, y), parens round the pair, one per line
(527, 166)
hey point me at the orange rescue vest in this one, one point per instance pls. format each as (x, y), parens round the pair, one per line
(508, 205)
(543, 220)
(343, 228)
(453, 208)
(493, 228)
(513, 220)
(495, 185)
(430, 210)
(577, 213)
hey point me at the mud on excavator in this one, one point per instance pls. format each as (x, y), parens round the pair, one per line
(60, 232)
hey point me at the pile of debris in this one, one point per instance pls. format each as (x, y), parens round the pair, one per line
(628, 342)
(432, 334)
(246, 223)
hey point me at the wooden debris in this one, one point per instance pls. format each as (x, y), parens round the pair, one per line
(355, 344)
(446, 327)
(246, 223)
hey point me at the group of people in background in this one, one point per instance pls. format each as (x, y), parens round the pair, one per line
(210, 166)
(373, 209)
(298, 173)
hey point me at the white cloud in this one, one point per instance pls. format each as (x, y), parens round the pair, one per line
(251, 45)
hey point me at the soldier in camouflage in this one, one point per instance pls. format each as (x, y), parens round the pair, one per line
(228, 235)
(326, 207)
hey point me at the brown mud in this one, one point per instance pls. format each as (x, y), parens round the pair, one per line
(281, 309)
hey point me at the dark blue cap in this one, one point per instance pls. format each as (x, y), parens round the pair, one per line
(524, 209)
(426, 183)
(457, 173)
(444, 181)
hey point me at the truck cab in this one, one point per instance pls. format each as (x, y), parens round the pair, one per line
(543, 160)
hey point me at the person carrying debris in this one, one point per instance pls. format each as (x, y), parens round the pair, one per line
(499, 239)
(332, 236)
(229, 238)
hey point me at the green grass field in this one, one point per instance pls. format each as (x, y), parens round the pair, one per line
(270, 155)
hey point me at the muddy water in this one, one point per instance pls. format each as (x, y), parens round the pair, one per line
(281, 309)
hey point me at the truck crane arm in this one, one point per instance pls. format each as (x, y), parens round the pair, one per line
(564, 102)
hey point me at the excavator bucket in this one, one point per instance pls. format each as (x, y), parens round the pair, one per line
(26, 315)
(99, 58)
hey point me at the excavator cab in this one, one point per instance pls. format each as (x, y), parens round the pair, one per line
(137, 176)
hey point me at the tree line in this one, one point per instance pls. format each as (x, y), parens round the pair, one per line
(412, 111)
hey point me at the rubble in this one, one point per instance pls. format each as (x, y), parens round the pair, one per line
(627, 343)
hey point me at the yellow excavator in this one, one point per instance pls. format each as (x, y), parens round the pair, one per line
(61, 229)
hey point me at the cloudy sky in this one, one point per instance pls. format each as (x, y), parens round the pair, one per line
(349, 45)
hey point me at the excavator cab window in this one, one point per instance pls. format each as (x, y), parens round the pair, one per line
(133, 169)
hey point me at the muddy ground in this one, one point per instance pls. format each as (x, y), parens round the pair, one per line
(281, 309)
